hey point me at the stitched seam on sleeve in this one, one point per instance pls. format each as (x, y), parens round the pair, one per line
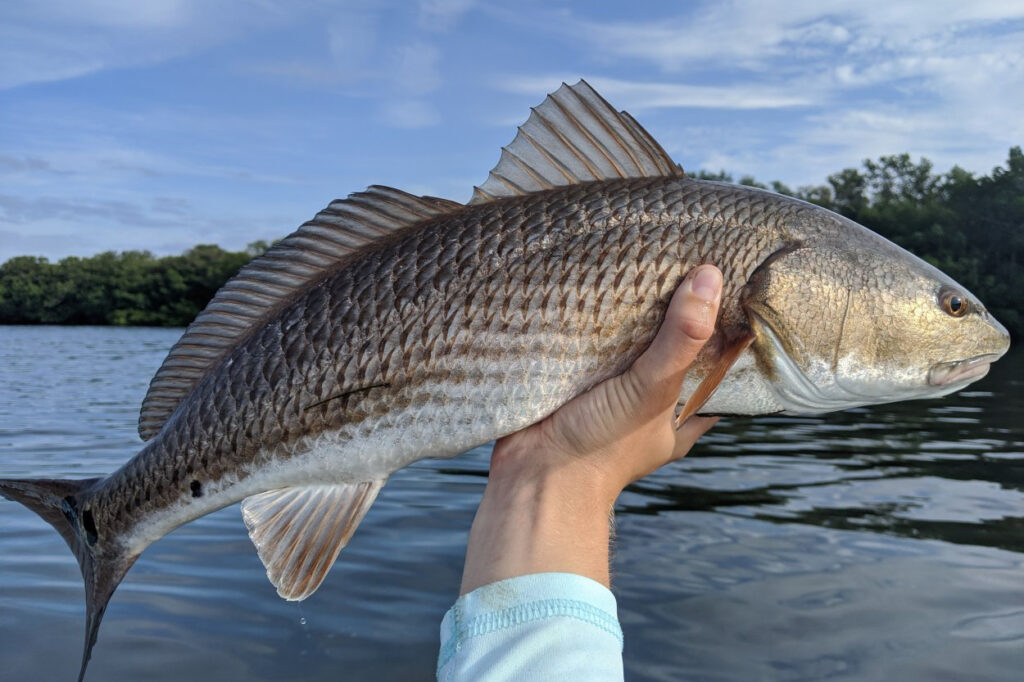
(447, 652)
(527, 613)
(449, 648)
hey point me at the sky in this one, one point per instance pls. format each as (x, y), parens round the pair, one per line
(162, 124)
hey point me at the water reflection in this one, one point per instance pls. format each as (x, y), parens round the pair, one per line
(880, 543)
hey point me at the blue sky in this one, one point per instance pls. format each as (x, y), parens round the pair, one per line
(160, 124)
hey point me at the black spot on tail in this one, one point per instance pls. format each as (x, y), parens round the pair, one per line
(197, 489)
(91, 535)
(63, 505)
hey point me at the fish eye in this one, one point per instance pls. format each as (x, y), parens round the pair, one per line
(954, 303)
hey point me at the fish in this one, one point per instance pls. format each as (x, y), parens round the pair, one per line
(393, 327)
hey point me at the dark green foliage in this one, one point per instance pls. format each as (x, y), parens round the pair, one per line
(127, 288)
(970, 227)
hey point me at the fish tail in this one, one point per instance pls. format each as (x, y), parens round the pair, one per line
(59, 503)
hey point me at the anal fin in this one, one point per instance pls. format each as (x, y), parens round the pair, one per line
(730, 354)
(299, 531)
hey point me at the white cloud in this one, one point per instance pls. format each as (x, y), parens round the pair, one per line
(107, 13)
(352, 39)
(16, 210)
(17, 164)
(862, 77)
(107, 161)
(411, 72)
(399, 76)
(441, 15)
(410, 114)
(396, 73)
(28, 55)
(414, 68)
(52, 40)
(637, 96)
(750, 34)
(59, 225)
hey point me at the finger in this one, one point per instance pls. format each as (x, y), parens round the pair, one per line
(689, 323)
(692, 429)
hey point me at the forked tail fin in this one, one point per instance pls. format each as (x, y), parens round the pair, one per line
(59, 503)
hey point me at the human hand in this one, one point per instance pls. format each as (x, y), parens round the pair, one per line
(623, 428)
(552, 485)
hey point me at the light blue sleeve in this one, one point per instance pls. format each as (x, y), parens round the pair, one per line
(544, 626)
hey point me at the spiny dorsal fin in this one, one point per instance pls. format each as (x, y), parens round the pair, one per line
(262, 286)
(298, 532)
(574, 136)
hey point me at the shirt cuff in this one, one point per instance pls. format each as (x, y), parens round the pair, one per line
(514, 624)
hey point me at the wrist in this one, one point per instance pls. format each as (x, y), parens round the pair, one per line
(538, 518)
(586, 479)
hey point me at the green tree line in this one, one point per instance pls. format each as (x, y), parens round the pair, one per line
(970, 226)
(126, 288)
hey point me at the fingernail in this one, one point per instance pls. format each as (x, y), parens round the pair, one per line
(706, 284)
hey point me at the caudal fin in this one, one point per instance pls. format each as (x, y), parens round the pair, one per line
(59, 503)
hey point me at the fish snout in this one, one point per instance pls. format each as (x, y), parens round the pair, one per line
(993, 341)
(1000, 336)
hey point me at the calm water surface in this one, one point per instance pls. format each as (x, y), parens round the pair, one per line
(875, 544)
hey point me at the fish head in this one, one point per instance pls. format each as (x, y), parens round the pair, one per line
(843, 317)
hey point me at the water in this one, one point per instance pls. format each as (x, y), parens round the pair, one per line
(875, 544)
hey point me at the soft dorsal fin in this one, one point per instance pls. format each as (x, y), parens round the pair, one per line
(298, 532)
(574, 136)
(262, 286)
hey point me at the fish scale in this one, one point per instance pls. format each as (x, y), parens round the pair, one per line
(602, 249)
(391, 328)
(522, 226)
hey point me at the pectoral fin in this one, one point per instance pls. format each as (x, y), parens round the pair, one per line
(299, 531)
(730, 354)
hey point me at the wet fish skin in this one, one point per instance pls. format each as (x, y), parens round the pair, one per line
(450, 323)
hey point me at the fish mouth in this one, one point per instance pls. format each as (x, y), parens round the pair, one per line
(961, 371)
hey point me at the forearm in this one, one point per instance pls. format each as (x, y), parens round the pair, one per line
(539, 519)
(535, 603)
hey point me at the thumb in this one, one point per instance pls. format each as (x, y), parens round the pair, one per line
(689, 323)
